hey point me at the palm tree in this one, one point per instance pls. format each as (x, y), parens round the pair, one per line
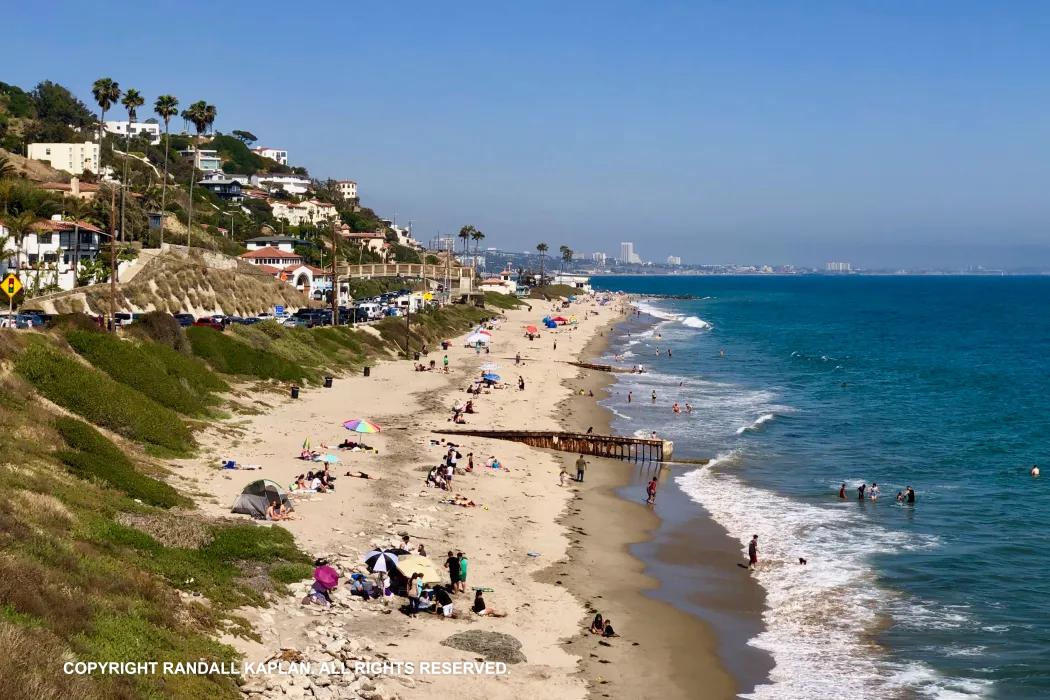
(166, 107)
(7, 169)
(132, 101)
(18, 225)
(566, 256)
(202, 115)
(477, 237)
(106, 92)
(464, 235)
(542, 248)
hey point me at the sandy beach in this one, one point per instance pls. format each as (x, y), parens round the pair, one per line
(552, 555)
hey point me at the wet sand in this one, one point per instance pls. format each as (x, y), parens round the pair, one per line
(665, 575)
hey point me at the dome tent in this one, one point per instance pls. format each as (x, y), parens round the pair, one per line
(257, 496)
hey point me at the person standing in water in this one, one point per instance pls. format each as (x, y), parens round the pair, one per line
(650, 491)
(842, 490)
(654, 395)
(860, 491)
(752, 553)
(874, 491)
(909, 495)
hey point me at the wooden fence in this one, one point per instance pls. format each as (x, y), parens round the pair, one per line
(614, 446)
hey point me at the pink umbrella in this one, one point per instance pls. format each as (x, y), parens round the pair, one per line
(485, 332)
(326, 576)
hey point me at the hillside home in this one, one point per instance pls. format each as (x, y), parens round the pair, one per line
(51, 251)
(292, 184)
(150, 130)
(223, 187)
(278, 154)
(347, 188)
(308, 211)
(74, 158)
(204, 159)
(74, 188)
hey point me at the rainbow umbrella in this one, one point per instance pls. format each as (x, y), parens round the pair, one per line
(360, 425)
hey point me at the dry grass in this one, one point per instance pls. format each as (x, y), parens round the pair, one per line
(170, 529)
(34, 667)
(40, 507)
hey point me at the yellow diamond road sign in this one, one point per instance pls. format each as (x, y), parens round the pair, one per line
(12, 285)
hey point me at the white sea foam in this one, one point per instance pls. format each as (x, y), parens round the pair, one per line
(821, 616)
(668, 316)
(757, 424)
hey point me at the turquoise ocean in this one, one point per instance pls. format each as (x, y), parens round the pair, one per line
(798, 384)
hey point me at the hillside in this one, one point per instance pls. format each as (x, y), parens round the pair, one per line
(196, 282)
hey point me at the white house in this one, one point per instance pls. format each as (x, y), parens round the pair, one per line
(283, 243)
(74, 158)
(292, 184)
(581, 282)
(51, 252)
(503, 284)
(308, 211)
(203, 159)
(289, 267)
(278, 154)
(149, 129)
(347, 188)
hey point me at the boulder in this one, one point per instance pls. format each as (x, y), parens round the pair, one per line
(494, 646)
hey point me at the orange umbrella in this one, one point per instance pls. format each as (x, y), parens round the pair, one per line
(531, 329)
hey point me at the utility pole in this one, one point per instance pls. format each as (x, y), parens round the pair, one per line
(335, 287)
(113, 260)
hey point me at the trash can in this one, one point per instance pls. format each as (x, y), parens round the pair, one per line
(327, 382)
(367, 372)
(295, 392)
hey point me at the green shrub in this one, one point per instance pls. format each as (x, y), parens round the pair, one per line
(102, 400)
(502, 301)
(92, 456)
(181, 383)
(162, 328)
(74, 320)
(231, 356)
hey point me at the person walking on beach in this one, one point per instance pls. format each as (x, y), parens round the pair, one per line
(752, 553)
(517, 358)
(630, 395)
(444, 363)
(650, 491)
(462, 572)
(581, 466)
(555, 343)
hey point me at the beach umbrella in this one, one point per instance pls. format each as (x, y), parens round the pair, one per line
(326, 576)
(328, 459)
(531, 329)
(485, 332)
(489, 366)
(360, 425)
(490, 377)
(415, 564)
(476, 338)
(380, 561)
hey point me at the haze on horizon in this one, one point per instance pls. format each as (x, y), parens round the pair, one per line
(880, 133)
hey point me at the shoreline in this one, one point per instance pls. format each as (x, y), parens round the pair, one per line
(677, 553)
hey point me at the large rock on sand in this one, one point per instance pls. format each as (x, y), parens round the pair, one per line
(494, 646)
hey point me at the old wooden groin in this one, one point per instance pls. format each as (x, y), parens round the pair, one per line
(613, 446)
(603, 368)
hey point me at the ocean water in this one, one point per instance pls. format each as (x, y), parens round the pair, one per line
(800, 384)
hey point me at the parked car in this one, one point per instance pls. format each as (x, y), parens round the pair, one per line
(250, 321)
(294, 322)
(184, 320)
(208, 322)
(126, 318)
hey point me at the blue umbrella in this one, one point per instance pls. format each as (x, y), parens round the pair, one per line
(489, 377)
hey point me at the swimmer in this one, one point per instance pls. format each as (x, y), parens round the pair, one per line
(1034, 471)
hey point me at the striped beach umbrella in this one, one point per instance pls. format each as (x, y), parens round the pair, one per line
(377, 560)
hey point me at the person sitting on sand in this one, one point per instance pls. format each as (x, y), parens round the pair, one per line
(300, 483)
(469, 407)
(421, 550)
(470, 462)
(493, 463)
(609, 631)
(563, 476)
(278, 511)
(597, 625)
(316, 484)
(432, 477)
(480, 608)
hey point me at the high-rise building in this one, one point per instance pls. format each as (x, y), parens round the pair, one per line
(627, 254)
(837, 267)
(599, 259)
(674, 260)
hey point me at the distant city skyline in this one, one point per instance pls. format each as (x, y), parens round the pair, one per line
(796, 134)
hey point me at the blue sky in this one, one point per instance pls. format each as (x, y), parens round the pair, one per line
(884, 133)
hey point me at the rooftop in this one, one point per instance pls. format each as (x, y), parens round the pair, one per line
(270, 252)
